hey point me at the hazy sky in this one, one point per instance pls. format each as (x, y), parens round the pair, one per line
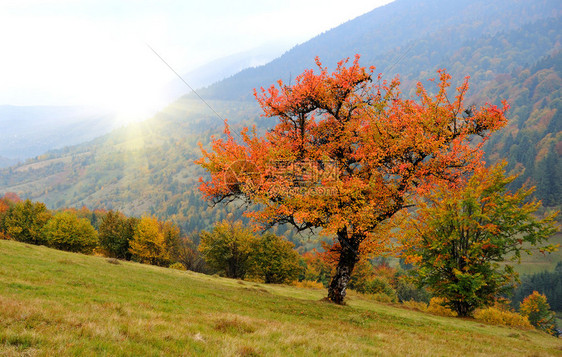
(93, 52)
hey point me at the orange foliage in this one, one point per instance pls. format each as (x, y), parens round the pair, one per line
(3, 206)
(11, 196)
(348, 153)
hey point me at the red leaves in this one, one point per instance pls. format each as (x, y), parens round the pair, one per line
(386, 149)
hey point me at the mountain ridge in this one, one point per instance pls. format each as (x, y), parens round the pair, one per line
(332, 46)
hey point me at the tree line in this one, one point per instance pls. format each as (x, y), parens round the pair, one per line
(233, 250)
(548, 283)
(229, 249)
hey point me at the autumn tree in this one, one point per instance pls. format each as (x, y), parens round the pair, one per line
(315, 268)
(115, 233)
(150, 242)
(23, 221)
(274, 259)
(188, 255)
(536, 308)
(461, 239)
(5, 204)
(227, 248)
(65, 231)
(172, 238)
(347, 154)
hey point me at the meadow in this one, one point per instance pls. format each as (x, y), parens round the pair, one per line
(59, 303)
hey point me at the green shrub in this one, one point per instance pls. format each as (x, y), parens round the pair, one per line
(115, 233)
(273, 259)
(406, 291)
(67, 232)
(227, 248)
(24, 221)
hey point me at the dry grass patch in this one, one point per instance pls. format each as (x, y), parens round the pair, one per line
(233, 326)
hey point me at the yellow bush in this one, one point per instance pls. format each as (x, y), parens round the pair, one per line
(381, 297)
(495, 316)
(309, 284)
(436, 308)
(178, 266)
(415, 305)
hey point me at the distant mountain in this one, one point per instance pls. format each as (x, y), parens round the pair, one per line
(224, 67)
(406, 37)
(510, 48)
(28, 131)
(5, 162)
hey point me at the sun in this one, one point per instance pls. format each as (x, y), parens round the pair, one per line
(133, 103)
(131, 82)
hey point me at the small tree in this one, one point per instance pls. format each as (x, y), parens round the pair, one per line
(172, 238)
(346, 155)
(67, 232)
(227, 248)
(5, 204)
(115, 233)
(458, 238)
(23, 221)
(187, 254)
(274, 259)
(149, 244)
(537, 310)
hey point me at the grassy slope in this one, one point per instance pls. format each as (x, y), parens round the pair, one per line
(53, 302)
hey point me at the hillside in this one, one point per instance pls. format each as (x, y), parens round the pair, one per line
(510, 49)
(54, 302)
(532, 141)
(411, 38)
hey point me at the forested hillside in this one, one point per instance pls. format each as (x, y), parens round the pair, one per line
(532, 141)
(413, 38)
(511, 50)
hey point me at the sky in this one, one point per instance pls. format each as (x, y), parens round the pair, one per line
(95, 53)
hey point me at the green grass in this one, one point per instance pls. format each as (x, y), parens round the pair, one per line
(59, 303)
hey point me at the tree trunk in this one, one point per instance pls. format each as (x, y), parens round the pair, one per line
(348, 257)
(462, 309)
